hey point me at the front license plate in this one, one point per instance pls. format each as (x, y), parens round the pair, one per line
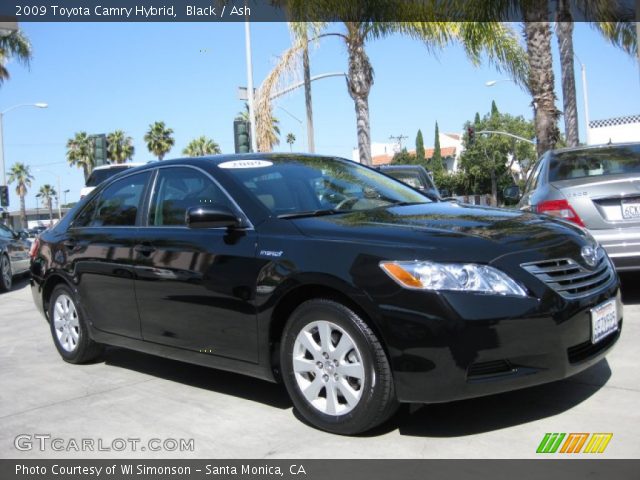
(630, 210)
(604, 320)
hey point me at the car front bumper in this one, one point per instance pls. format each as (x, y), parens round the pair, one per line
(476, 345)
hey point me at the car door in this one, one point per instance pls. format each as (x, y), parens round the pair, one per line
(195, 287)
(99, 249)
(532, 195)
(17, 250)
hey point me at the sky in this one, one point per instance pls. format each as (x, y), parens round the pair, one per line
(102, 77)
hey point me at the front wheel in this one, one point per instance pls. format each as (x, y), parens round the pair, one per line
(6, 276)
(335, 369)
(68, 328)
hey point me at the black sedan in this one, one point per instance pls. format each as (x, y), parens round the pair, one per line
(356, 291)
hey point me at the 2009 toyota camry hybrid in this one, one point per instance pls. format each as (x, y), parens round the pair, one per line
(355, 290)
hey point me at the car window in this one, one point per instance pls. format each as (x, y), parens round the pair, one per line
(117, 205)
(176, 190)
(595, 162)
(534, 177)
(5, 232)
(292, 185)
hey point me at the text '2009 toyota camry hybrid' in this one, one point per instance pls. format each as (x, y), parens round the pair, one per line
(356, 291)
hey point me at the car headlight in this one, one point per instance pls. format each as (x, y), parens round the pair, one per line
(468, 277)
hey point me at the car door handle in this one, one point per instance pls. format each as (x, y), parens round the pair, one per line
(144, 248)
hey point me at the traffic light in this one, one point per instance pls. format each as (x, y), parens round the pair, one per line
(4, 196)
(471, 135)
(242, 136)
(99, 149)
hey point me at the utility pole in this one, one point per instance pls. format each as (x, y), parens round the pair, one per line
(398, 140)
(250, 95)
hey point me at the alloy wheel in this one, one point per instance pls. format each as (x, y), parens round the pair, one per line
(66, 323)
(328, 368)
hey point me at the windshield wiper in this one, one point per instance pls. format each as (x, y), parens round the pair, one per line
(311, 213)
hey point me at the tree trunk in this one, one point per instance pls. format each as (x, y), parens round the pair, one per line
(50, 203)
(23, 211)
(85, 170)
(564, 32)
(494, 188)
(359, 83)
(307, 97)
(541, 81)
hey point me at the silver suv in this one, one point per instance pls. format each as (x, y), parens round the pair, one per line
(595, 187)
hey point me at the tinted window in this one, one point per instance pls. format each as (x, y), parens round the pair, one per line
(5, 233)
(178, 189)
(595, 162)
(289, 185)
(99, 176)
(117, 205)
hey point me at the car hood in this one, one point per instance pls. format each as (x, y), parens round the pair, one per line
(457, 231)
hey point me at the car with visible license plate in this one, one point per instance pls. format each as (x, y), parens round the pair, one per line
(354, 290)
(597, 188)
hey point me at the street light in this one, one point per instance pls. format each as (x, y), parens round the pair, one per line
(65, 195)
(37, 105)
(491, 83)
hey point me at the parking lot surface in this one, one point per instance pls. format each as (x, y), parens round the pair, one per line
(137, 398)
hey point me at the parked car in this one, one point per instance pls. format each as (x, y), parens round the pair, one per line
(102, 173)
(355, 290)
(597, 188)
(14, 256)
(416, 176)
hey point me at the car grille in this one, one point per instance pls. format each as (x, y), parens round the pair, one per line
(495, 367)
(569, 278)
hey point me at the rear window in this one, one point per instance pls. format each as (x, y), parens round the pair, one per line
(99, 176)
(595, 163)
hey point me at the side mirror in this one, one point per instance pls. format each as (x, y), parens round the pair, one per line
(444, 192)
(23, 235)
(210, 216)
(512, 193)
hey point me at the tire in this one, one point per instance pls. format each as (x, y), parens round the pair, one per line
(346, 388)
(69, 328)
(6, 275)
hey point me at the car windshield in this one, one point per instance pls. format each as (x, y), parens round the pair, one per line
(102, 174)
(595, 163)
(290, 186)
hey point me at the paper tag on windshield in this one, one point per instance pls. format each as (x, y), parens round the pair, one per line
(245, 164)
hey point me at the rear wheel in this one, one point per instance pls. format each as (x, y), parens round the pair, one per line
(6, 275)
(335, 369)
(68, 328)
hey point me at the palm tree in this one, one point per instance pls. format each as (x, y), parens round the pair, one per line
(620, 34)
(201, 146)
(80, 152)
(494, 39)
(291, 139)
(541, 84)
(159, 139)
(120, 147)
(267, 126)
(14, 45)
(21, 175)
(48, 193)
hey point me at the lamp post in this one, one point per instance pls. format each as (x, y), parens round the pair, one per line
(37, 105)
(37, 208)
(491, 83)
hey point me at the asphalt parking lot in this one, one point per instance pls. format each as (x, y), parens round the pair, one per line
(131, 395)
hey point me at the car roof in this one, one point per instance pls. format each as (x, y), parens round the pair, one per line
(602, 146)
(120, 165)
(217, 159)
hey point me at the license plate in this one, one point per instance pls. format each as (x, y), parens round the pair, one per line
(630, 209)
(604, 320)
